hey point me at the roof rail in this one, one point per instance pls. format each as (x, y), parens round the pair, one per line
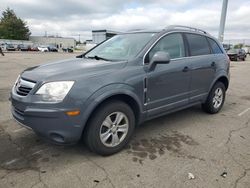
(187, 28)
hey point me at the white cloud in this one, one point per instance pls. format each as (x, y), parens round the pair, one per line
(68, 18)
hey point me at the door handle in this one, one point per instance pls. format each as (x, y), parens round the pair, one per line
(185, 69)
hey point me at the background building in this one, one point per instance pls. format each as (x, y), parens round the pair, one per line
(100, 35)
(59, 42)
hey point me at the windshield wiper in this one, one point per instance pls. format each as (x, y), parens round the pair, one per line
(97, 58)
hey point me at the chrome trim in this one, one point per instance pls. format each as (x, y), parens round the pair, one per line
(22, 82)
(186, 27)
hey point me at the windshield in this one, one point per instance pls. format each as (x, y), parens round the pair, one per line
(121, 47)
(232, 51)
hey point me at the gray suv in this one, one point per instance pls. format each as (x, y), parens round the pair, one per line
(103, 94)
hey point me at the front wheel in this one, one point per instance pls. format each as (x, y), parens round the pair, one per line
(215, 99)
(110, 128)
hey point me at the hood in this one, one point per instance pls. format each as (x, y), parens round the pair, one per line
(70, 69)
(231, 53)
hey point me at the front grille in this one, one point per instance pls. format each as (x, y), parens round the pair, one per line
(23, 87)
(23, 91)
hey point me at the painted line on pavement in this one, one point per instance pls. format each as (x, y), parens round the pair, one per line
(18, 130)
(243, 112)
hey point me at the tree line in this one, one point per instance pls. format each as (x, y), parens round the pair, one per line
(13, 27)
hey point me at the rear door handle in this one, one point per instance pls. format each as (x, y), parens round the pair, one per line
(185, 69)
(213, 64)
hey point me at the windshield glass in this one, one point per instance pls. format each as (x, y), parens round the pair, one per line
(121, 47)
(232, 51)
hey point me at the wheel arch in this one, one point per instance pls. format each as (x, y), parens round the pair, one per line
(224, 80)
(125, 95)
(129, 100)
(221, 78)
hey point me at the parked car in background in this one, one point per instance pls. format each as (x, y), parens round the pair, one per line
(227, 46)
(247, 50)
(34, 48)
(10, 47)
(3, 46)
(52, 49)
(43, 48)
(23, 47)
(70, 50)
(237, 54)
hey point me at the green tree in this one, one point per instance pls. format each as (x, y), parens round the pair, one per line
(238, 46)
(12, 27)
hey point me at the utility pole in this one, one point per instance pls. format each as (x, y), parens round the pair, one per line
(223, 20)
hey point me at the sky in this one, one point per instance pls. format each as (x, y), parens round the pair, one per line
(69, 18)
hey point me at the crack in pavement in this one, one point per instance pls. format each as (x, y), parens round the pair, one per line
(26, 166)
(22, 156)
(230, 154)
(103, 169)
(40, 181)
(241, 177)
(79, 179)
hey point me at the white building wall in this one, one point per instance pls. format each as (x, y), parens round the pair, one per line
(98, 37)
(55, 41)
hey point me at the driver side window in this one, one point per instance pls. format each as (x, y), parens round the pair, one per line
(172, 44)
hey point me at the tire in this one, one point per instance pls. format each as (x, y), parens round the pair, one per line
(115, 135)
(214, 103)
(236, 58)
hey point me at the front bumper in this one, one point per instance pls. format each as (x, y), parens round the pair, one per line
(233, 57)
(51, 123)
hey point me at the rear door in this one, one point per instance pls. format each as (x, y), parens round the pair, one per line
(203, 66)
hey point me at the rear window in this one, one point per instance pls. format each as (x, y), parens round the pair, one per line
(214, 46)
(198, 45)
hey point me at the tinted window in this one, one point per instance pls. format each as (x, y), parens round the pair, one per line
(198, 45)
(172, 43)
(215, 47)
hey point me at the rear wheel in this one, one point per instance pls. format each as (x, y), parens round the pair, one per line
(215, 99)
(110, 128)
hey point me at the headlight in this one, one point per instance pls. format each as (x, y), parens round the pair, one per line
(54, 91)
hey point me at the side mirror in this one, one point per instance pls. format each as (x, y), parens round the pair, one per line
(159, 57)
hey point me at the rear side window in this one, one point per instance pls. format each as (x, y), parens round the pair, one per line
(198, 45)
(172, 44)
(214, 46)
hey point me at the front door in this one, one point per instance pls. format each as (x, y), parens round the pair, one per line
(168, 84)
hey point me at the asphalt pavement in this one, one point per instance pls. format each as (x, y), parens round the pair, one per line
(185, 149)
